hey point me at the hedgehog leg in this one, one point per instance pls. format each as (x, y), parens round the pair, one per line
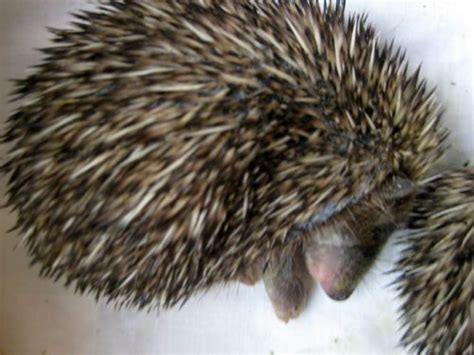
(251, 274)
(288, 285)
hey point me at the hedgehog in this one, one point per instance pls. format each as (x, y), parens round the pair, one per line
(162, 147)
(436, 267)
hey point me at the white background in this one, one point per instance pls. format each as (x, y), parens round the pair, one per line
(41, 317)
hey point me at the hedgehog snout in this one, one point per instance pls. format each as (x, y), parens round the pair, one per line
(337, 270)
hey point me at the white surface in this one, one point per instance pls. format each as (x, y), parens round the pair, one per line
(41, 317)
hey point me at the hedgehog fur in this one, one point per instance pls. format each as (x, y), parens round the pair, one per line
(436, 265)
(162, 146)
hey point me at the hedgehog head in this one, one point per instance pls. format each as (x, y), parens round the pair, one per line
(340, 252)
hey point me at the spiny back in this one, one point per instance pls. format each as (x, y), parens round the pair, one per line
(435, 283)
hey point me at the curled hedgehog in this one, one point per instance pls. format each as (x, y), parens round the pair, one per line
(164, 146)
(436, 267)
